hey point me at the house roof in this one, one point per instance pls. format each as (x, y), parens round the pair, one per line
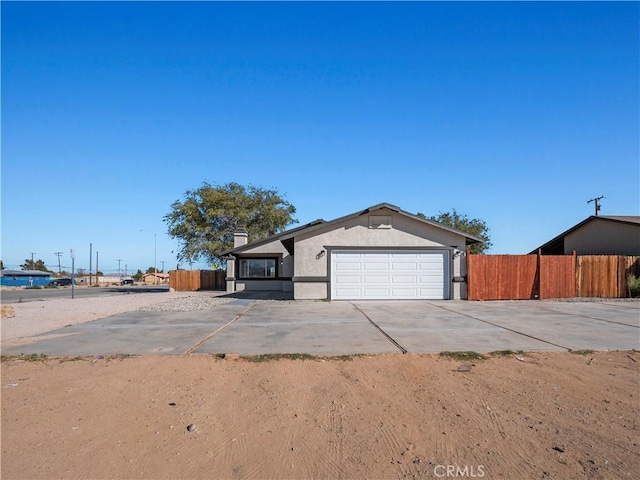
(24, 273)
(159, 274)
(277, 236)
(557, 243)
(318, 224)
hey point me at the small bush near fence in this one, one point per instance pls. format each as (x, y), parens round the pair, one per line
(633, 283)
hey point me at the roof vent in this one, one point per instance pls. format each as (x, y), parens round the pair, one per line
(379, 221)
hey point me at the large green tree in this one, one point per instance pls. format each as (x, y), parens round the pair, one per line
(205, 220)
(34, 265)
(473, 226)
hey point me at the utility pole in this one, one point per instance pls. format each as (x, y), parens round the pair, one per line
(597, 205)
(73, 267)
(162, 262)
(97, 282)
(90, 255)
(32, 254)
(155, 262)
(119, 276)
(59, 267)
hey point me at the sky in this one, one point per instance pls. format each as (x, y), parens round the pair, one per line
(515, 113)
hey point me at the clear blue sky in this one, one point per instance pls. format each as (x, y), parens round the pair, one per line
(515, 113)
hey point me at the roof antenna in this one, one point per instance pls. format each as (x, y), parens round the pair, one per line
(596, 200)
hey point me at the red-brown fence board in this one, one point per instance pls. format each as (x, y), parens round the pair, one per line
(501, 277)
(557, 276)
(193, 280)
(518, 277)
(605, 275)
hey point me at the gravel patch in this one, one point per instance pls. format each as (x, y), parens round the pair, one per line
(185, 304)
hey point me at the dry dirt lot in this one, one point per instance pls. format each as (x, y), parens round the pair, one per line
(547, 415)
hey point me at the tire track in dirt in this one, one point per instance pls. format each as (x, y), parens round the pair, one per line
(321, 427)
(393, 445)
(472, 405)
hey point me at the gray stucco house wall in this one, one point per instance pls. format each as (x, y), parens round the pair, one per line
(381, 252)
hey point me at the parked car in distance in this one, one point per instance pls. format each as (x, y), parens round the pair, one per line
(126, 281)
(60, 282)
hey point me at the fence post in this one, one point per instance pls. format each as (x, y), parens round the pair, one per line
(576, 273)
(536, 281)
(468, 274)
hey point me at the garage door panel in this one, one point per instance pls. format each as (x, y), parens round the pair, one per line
(412, 279)
(383, 266)
(404, 255)
(349, 266)
(347, 254)
(404, 292)
(433, 264)
(404, 266)
(374, 255)
(349, 292)
(376, 279)
(351, 279)
(390, 275)
(376, 293)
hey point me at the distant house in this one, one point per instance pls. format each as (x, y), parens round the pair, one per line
(24, 278)
(597, 235)
(150, 278)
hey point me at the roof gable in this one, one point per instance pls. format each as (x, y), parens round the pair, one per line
(556, 244)
(322, 224)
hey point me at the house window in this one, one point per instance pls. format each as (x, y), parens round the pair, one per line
(257, 267)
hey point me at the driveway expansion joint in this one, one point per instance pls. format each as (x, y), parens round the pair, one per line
(389, 337)
(212, 334)
(558, 312)
(500, 326)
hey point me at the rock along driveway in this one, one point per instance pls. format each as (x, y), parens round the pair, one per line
(253, 326)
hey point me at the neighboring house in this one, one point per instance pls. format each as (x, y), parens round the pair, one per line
(597, 235)
(24, 278)
(382, 252)
(150, 278)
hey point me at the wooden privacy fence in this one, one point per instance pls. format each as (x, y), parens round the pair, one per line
(520, 277)
(192, 280)
(501, 277)
(605, 275)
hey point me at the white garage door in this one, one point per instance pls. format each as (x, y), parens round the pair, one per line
(376, 275)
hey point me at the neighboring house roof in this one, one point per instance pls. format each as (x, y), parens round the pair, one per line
(160, 275)
(24, 273)
(287, 236)
(557, 243)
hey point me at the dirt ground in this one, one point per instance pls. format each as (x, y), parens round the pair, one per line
(544, 415)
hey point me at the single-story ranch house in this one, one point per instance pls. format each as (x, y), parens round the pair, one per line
(597, 235)
(381, 252)
(24, 278)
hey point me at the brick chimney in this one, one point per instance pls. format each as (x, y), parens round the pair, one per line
(240, 236)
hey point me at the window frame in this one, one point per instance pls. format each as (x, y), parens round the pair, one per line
(240, 271)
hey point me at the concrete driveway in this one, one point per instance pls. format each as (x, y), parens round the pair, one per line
(258, 326)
